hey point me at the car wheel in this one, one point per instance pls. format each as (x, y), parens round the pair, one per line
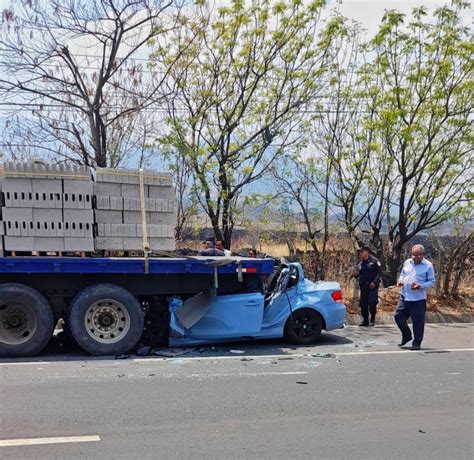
(304, 327)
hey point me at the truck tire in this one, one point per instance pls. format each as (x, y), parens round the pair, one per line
(26, 320)
(304, 327)
(105, 319)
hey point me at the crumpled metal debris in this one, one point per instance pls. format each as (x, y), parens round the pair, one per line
(144, 351)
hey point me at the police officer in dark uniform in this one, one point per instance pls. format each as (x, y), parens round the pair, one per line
(368, 272)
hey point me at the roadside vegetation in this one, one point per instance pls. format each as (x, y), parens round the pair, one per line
(281, 118)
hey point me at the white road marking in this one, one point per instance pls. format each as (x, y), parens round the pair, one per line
(284, 357)
(239, 374)
(39, 441)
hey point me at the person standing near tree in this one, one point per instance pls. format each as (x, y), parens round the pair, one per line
(368, 272)
(416, 277)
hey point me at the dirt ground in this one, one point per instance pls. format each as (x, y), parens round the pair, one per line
(388, 299)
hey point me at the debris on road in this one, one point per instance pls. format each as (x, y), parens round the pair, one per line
(247, 359)
(323, 355)
(421, 431)
(172, 352)
(144, 351)
(302, 383)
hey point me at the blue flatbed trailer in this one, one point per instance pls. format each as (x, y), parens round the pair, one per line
(122, 265)
(110, 304)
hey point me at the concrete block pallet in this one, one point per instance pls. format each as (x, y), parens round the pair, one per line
(47, 207)
(118, 203)
(57, 208)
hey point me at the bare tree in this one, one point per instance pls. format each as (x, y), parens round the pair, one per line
(74, 75)
(302, 182)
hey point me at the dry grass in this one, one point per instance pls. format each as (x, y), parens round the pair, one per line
(339, 265)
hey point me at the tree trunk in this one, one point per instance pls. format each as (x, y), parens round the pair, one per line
(394, 262)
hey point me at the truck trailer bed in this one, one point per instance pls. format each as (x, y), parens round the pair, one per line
(134, 266)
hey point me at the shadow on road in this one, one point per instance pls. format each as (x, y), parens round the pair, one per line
(61, 348)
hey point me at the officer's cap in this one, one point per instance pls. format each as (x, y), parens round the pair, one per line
(364, 248)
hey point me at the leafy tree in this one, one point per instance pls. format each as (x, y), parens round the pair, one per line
(403, 155)
(241, 91)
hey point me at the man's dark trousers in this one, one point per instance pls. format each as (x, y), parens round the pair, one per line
(369, 299)
(416, 311)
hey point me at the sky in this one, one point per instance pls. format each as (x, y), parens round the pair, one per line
(368, 12)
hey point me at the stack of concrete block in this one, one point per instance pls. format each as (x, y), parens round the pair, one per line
(47, 207)
(118, 210)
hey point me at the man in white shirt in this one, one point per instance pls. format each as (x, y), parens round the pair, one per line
(220, 247)
(416, 277)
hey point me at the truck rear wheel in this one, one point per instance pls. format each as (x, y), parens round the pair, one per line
(26, 320)
(105, 319)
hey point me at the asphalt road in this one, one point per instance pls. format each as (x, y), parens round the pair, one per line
(355, 395)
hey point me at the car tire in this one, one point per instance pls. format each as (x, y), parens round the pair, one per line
(304, 327)
(26, 320)
(105, 319)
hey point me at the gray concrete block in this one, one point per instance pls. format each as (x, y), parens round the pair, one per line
(161, 192)
(13, 214)
(107, 216)
(18, 199)
(2, 228)
(18, 243)
(46, 200)
(132, 203)
(102, 202)
(83, 187)
(48, 215)
(78, 230)
(108, 243)
(14, 184)
(77, 201)
(133, 190)
(132, 176)
(49, 244)
(135, 217)
(78, 215)
(107, 188)
(116, 203)
(79, 244)
(41, 169)
(162, 244)
(46, 186)
(132, 244)
(12, 228)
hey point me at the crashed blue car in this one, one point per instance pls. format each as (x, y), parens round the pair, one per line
(296, 309)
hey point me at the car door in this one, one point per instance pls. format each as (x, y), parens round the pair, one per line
(236, 315)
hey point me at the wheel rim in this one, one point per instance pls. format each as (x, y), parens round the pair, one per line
(306, 325)
(18, 322)
(107, 321)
